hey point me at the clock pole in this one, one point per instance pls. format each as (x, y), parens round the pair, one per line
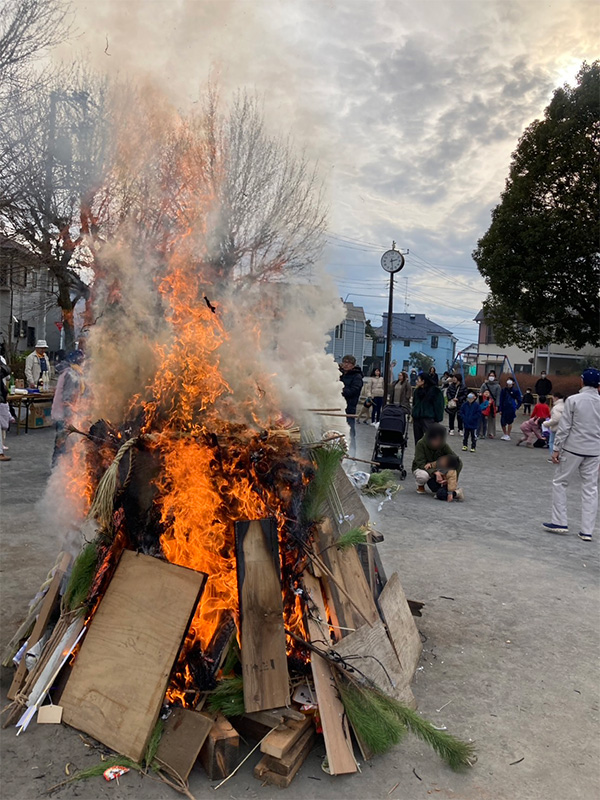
(387, 367)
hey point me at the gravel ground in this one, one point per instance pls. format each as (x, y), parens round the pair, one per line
(510, 628)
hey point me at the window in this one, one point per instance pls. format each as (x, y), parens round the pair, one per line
(489, 335)
(435, 340)
(20, 329)
(339, 331)
(34, 280)
(405, 366)
(31, 337)
(407, 343)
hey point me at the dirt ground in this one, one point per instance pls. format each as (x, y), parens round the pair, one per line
(510, 628)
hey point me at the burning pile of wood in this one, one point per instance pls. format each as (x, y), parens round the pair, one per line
(232, 587)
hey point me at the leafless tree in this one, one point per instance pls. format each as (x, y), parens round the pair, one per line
(27, 29)
(51, 156)
(268, 217)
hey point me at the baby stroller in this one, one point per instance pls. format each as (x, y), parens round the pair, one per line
(390, 441)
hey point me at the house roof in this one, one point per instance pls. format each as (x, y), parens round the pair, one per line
(479, 317)
(355, 312)
(416, 327)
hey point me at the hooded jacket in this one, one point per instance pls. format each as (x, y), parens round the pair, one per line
(557, 409)
(471, 414)
(579, 427)
(353, 381)
(426, 454)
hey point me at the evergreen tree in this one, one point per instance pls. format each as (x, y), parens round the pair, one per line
(540, 256)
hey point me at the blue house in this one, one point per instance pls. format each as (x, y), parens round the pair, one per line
(416, 333)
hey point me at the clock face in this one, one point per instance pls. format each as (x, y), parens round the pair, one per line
(392, 261)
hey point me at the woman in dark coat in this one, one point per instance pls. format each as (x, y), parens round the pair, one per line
(428, 406)
(456, 394)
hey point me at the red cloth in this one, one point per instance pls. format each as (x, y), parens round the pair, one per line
(541, 410)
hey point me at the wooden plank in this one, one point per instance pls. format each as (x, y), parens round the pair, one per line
(184, 734)
(348, 573)
(298, 752)
(284, 737)
(282, 772)
(398, 618)
(385, 669)
(331, 711)
(120, 676)
(262, 634)
(355, 513)
(41, 623)
(219, 754)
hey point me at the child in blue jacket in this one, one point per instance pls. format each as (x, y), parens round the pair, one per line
(471, 415)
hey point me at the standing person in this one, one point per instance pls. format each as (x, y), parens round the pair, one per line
(37, 365)
(365, 402)
(558, 406)
(486, 405)
(5, 416)
(401, 392)
(492, 386)
(543, 385)
(70, 391)
(541, 409)
(577, 449)
(413, 377)
(510, 400)
(376, 394)
(352, 378)
(528, 401)
(456, 394)
(434, 376)
(428, 406)
(471, 414)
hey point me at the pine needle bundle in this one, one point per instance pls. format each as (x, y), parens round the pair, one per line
(82, 575)
(327, 460)
(381, 721)
(228, 697)
(153, 743)
(352, 538)
(381, 482)
(99, 769)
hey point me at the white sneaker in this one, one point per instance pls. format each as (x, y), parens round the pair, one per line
(505, 438)
(451, 433)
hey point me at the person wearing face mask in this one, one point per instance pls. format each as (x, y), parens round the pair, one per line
(471, 415)
(493, 387)
(543, 386)
(510, 400)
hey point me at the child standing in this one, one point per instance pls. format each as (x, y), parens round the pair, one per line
(471, 414)
(541, 409)
(486, 404)
(528, 401)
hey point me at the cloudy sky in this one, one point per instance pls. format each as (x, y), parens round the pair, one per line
(412, 108)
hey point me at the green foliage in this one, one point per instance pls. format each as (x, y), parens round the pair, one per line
(228, 697)
(540, 255)
(327, 460)
(153, 743)
(380, 721)
(232, 659)
(352, 538)
(81, 578)
(98, 769)
(420, 361)
(380, 482)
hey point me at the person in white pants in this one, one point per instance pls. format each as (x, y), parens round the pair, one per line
(577, 449)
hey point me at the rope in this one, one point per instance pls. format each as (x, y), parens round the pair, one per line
(104, 499)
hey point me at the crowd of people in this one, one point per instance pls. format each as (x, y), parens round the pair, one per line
(568, 427)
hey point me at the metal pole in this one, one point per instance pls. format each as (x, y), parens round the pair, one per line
(388, 344)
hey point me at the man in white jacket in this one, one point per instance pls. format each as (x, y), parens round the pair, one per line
(577, 449)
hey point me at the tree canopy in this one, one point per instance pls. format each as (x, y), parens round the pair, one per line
(540, 256)
(420, 361)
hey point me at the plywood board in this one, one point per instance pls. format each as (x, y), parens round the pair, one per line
(349, 574)
(400, 623)
(355, 513)
(336, 733)
(41, 622)
(120, 676)
(184, 734)
(262, 634)
(373, 655)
